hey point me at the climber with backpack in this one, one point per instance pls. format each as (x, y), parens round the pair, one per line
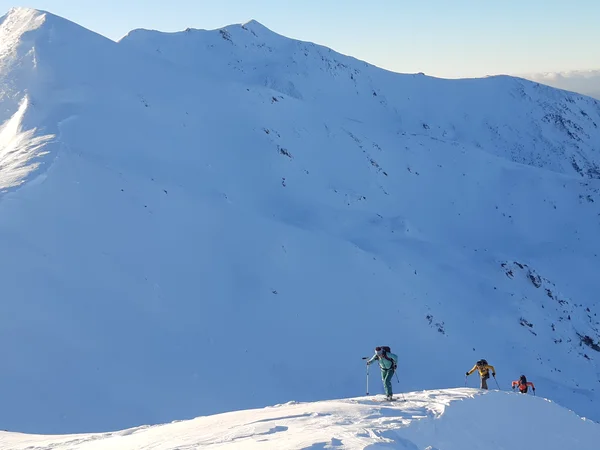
(388, 362)
(484, 372)
(523, 385)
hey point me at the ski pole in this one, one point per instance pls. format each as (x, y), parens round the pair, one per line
(497, 382)
(401, 393)
(366, 357)
(465, 381)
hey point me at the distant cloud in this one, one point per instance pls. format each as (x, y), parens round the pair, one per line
(586, 82)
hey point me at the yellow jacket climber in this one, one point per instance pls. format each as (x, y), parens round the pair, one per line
(484, 371)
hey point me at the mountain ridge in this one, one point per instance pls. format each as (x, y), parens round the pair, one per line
(298, 57)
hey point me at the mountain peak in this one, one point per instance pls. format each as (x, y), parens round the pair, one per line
(238, 29)
(256, 26)
(20, 17)
(24, 12)
(18, 21)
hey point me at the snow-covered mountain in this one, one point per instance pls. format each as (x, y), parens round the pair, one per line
(198, 222)
(586, 82)
(452, 419)
(523, 122)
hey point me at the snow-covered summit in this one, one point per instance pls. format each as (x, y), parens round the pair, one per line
(19, 21)
(453, 419)
(24, 27)
(257, 27)
(202, 222)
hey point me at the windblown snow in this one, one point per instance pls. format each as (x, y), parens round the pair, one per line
(205, 221)
(452, 419)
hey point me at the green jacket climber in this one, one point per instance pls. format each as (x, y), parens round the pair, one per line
(387, 363)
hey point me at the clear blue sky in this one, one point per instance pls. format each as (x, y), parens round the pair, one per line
(447, 38)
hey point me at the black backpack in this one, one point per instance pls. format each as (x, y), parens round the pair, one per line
(384, 351)
(482, 362)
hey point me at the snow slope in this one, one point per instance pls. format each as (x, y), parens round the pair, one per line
(235, 223)
(452, 419)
